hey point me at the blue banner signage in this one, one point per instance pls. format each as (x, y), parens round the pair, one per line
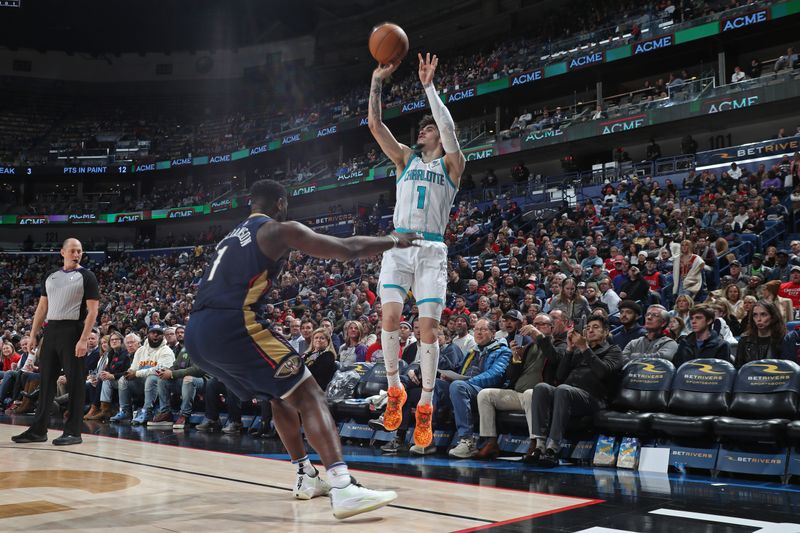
(527, 77)
(410, 107)
(730, 103)
(535, 136)
(479, 154)
(622, 124)
(513, 443)
(794, 463)
(356, 431)
(352, 175)
(586, 60)
(458, 96)
(752, 463)
(704, 458)
(324, 132)
(308, 133)
(765, 148)
(307, 189)
(220, 158)
(653, 44)
(289, 139)
(259, 149)
(742, 21)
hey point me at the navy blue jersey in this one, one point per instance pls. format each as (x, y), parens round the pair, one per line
(240, 274)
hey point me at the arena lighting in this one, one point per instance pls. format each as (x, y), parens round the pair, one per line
(10, 3)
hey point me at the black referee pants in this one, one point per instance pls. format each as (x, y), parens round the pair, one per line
(57, 351)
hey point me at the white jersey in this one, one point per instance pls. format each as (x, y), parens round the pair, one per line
(425, 194)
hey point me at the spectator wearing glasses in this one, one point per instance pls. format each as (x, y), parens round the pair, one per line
(587, 373)
(483, 367)
(528, 368)
(654, 343)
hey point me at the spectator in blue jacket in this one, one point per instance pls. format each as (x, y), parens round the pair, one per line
(483, 367)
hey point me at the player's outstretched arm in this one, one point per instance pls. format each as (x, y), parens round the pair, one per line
(397, 152)
(453, 157)
(295, 235)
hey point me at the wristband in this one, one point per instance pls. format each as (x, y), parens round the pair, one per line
(395, 240)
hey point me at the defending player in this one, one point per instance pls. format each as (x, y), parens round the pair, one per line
(228, 340)
(427, 183)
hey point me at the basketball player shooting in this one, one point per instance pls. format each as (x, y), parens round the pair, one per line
(427, 184)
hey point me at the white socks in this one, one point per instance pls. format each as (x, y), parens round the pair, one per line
(304, 466)
(390, 344)
(428, 361)
(338, 475)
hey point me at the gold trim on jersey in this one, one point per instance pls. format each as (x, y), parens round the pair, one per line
(272, 348)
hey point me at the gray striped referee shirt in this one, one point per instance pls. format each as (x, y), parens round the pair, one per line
(67, 292)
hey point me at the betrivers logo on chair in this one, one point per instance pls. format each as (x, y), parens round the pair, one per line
(648, 374)
(706, 368)
(705, 375)
(774, 375)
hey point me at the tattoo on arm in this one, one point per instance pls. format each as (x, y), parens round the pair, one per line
(375, 99)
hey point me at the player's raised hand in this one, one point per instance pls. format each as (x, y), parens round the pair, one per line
(427, 66)
(406, 240)
(384, 71)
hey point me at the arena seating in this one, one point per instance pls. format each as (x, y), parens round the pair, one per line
(645, 389)
(765, 400)
(701, 391)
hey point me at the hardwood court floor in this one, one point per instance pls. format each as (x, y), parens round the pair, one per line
(136, 479)
(115, 484)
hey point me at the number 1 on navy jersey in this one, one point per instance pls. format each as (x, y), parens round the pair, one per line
(220, 253)
(421, 189)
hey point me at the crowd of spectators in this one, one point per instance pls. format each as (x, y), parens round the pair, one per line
(167, 127)
(550, 309)
(121, 199)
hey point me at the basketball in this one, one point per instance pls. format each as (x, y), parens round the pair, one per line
(388, 43)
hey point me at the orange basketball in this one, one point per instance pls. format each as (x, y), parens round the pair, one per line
(388, 43)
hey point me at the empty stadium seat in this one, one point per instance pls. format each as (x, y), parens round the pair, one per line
(793, 431)
(701, 391)
(644, 391)
(765, 398)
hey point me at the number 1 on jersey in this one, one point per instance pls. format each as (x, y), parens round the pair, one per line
(421, 189)
(220, 253)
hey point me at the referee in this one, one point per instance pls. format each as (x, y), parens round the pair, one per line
(69, 301)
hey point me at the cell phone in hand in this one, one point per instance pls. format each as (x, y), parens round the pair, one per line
(580, 325)
(518, 339)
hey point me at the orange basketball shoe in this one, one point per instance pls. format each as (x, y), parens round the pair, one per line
(423, 432)
(393, 415)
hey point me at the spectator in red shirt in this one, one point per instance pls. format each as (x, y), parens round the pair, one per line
(370, 295)
(619, 268)
(653, 277)
(791, 289)
(10, 357)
